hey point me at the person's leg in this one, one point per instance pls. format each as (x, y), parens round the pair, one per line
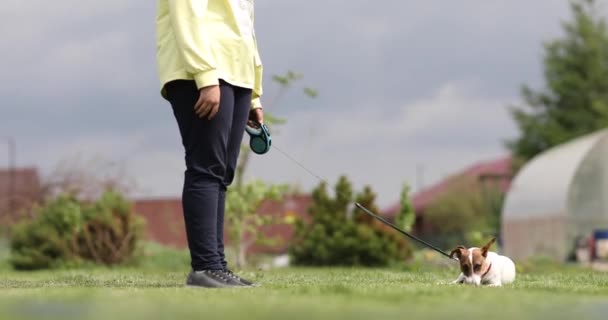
(221, 205)
(205, 143)
(242, 105)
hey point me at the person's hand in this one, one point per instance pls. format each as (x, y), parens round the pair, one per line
(208, 103)
(256, 117)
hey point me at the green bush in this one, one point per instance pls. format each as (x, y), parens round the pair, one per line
(466, 213)
(68, 232)
(340, 236)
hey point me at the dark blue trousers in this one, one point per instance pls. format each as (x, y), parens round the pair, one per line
(212, 148)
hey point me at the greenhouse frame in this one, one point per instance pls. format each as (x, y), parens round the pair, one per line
(557, 200)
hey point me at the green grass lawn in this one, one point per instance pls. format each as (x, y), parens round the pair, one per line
(300, 294)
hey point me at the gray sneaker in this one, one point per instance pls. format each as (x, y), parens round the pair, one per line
(210, 279)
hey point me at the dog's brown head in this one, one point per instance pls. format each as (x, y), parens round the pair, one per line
(472, 261)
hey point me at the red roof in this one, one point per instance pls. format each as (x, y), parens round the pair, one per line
(499, 168)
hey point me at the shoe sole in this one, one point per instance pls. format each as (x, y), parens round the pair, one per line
(255, 285)
(224, 287)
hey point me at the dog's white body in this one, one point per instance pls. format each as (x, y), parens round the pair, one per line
(501, 271)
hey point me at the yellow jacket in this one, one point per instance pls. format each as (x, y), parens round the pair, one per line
(208, 40)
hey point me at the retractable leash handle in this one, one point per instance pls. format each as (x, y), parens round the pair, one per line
(259, 138)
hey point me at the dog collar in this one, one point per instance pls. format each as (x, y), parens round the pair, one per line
(485, 273)
(259, 138)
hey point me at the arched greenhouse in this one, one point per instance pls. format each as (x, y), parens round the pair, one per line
(557, 199)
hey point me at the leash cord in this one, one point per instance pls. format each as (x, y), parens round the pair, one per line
(364, 209)
(301, 165)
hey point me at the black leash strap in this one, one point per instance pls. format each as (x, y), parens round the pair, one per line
(369, 212)
(386, 222)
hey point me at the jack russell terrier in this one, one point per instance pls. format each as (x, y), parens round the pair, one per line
(480, 266)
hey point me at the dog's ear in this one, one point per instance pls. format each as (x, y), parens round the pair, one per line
(459, 252)
(486, 248)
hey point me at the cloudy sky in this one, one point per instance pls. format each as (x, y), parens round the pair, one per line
(403, 85)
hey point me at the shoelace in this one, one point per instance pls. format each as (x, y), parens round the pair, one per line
(219, 274)
(231, 274)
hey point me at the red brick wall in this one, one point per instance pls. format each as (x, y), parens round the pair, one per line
(165, 221)
(26, 192)
(296, 206)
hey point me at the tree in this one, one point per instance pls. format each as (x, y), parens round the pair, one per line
(575, 101)
(243, 199)
(406, 216)
(466, 210)
(340, 235)
(242, 216)
(86, 178)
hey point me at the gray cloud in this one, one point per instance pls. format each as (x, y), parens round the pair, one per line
(408, 82)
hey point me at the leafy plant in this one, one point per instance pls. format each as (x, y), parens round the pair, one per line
(466, 212)
(243, 219)
(575, 101)
(66, 231)
(406, 217)
(339, 235)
